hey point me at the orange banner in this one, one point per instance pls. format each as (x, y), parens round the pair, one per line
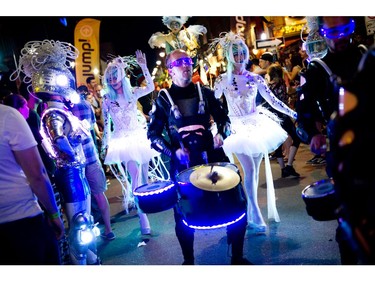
(86, 40)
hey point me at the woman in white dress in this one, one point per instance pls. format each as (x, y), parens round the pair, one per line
(125, 143)
(255, 130)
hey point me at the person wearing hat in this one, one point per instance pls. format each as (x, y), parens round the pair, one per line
(265, 60)
(267, 56)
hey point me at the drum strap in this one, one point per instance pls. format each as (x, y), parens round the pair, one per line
(271, 199)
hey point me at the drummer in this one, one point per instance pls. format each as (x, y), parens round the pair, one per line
(184, 112)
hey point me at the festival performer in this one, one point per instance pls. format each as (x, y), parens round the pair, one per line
(184, 112)
(126, 145)
(179, 37)
(255, 130)
(46, 63)
(185, 38)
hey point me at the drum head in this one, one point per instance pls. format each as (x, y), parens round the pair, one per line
(321, 200)
(212, 177)
(150, 188)
(319, 189)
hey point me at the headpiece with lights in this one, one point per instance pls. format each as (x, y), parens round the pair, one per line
(315, 45)
(46, 65)
(232, 45)
(117, 70)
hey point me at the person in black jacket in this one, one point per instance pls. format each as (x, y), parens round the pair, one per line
(318, 101)
(318, 96)
(185, 113)
(354, 183)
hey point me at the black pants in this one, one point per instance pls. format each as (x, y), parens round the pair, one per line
(290, 128)
(29, 241)
(185, 235)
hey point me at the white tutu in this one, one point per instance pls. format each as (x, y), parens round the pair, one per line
(124, 146)
(252, 134)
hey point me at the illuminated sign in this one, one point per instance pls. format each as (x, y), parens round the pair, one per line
(290, 30)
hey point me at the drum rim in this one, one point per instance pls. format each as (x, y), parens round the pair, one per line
(213, 163)
(315, 184)
(169, 185)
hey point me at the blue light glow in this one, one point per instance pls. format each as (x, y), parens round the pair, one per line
(214, 226)
(158, 191)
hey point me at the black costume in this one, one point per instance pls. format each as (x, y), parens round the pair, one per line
(197, 141)
(318, 101)
(354, 179)
(318, 97)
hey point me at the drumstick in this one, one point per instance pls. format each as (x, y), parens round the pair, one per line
(174, 128)
(205, 157)
(213, 176)
(183, 148)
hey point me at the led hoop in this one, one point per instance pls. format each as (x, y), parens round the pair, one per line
(181, 61)
(156, 197)
(158, 191)
(214, 226)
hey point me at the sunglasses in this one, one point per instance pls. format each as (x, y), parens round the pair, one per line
(181, 61)
(339, 31)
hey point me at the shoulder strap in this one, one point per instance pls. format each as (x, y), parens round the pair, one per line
(332, 77)
(201, 101)
(323, 64)
(362, 48)
(174, 107)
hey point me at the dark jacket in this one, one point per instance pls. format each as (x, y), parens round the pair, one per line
(318, 97)
(192, 131)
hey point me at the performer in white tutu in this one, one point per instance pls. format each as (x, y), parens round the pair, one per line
(125, 145)
(255, 130)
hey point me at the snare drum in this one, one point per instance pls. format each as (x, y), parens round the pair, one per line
(211, 202)
(321, 201)
(156, 197)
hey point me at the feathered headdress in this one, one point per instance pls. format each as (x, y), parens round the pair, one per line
(117, 69)
(229, 41)
(121, 65)
(168, 20)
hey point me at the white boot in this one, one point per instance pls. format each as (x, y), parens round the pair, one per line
(145, 224)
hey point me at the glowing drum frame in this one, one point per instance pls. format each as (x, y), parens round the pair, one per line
(156, 197)
(202, 209)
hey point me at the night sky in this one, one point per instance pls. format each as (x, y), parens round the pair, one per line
(118, 35)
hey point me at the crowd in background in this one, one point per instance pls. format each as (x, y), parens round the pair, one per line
(284, 74)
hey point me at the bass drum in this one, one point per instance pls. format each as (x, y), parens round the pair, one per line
(211, 195)
(321, 201)
(156, 197)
